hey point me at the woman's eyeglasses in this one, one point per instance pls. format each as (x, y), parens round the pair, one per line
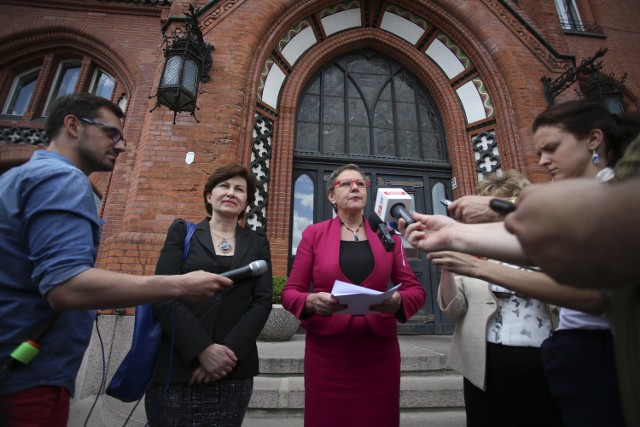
(348, 183)
(114, 133)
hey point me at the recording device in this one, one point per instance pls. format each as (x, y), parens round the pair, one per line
(254, 269)
(503, 207)
(446, 202)
(381, 230)
(394, 203)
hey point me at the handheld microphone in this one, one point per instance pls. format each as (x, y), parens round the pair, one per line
(503, 207)
(394, 203)
(255, 268)
(381, 230)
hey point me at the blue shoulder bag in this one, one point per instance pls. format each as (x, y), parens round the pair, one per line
(134, 374)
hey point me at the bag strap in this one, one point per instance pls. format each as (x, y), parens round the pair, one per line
(27, 350)
(191, 228)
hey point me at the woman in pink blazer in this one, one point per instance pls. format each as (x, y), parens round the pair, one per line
(352, 362)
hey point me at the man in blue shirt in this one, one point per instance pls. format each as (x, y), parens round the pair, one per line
(49, 237)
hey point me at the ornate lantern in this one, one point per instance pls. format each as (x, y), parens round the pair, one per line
(187, 63)
(605, 89)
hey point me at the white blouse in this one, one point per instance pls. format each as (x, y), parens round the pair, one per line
(519, 320)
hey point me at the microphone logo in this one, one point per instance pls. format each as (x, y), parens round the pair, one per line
(379, 207)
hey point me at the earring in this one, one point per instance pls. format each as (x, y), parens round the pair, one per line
(595, 158)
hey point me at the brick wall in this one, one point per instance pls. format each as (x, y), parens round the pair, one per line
(152, 184)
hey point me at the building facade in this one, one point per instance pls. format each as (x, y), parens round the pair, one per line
(425, 95)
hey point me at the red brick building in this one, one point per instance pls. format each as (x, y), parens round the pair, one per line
(425, 95)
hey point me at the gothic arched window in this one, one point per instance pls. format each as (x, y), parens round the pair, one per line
(368, 106)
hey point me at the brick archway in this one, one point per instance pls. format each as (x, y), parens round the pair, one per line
(459, 133)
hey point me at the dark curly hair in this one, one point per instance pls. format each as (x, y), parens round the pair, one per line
(229, 171)
(79, 105)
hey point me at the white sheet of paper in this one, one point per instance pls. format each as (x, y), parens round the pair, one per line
(358, 298)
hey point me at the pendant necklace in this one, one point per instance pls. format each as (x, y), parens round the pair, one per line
(224, 246)
(356, 238)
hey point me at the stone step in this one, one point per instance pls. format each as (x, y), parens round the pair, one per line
(416, 392)
(444, 418)
(254, 418)
(430, 393)
(419, 354)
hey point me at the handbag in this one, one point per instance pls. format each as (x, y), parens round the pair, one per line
(134, 374)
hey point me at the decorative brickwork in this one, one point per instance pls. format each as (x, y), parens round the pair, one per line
(23, 136)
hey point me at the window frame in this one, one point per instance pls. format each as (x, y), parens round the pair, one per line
(56, 82)
(51, 68)
(569, 15)
(95, 81)
(11, 97)
(333, 80)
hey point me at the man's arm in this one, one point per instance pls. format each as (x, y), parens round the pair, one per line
(531, 283)
(473, 210)
(95, 288)
(438, 233)
(581, 232)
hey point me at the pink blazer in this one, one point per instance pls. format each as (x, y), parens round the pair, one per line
(318, 261)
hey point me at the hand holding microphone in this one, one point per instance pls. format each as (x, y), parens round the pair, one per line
(199, 285)
(253, 269)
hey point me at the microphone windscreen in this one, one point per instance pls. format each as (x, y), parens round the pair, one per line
(374, 220)
(258, 267)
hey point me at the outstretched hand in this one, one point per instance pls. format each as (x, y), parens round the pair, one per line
(456, 262)
(429, 232)
(199, 285)
(473, 210)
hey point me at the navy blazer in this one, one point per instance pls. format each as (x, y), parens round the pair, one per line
(233, 317)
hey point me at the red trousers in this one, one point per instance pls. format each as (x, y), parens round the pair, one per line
(45, 406)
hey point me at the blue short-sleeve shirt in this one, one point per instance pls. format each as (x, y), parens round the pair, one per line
(49, 233)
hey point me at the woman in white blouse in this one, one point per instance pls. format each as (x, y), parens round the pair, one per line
(496, 344)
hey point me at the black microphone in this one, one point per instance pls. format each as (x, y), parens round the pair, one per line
(399, 211)
(503, 207)
(255, 268)
(381, 230)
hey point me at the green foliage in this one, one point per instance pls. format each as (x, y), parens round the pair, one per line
(278, 285)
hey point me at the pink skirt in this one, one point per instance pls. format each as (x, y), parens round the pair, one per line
(352, 379)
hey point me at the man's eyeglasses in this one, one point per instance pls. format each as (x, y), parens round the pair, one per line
(348, 183)
(114, 133)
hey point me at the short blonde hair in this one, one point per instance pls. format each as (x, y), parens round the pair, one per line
(509, 184)
(337, 171)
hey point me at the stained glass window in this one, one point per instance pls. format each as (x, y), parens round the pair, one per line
(366, 104)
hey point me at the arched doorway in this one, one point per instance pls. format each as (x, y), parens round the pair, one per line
(366, 108)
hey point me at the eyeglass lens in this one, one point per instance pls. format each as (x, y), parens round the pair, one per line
(114, 133)
(347, 183)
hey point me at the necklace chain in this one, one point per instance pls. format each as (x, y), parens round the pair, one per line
(224, 246)
(356, 238)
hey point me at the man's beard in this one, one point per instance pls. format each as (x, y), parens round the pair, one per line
(91, 159)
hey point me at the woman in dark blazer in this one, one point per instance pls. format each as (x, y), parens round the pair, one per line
(352, 362)
(215, 357)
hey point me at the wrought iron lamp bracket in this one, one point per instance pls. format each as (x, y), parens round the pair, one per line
(552, 88)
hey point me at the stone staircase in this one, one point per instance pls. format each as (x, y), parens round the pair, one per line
(431, 394)
(429, 391)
